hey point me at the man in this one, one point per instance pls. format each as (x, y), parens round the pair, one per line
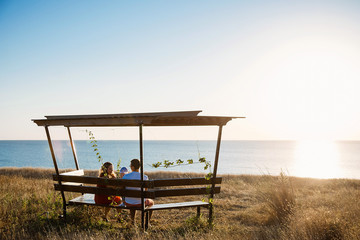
(136, 202)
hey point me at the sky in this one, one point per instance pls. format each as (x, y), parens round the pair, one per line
(292, 68)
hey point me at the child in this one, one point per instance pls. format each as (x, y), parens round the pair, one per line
(107, 171)
(123, 171)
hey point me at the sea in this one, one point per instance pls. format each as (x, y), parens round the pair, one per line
(314, 159)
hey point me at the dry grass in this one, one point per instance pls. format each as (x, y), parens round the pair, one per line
(248, 207)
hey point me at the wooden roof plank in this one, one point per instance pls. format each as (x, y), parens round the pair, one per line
(126, 115)
(135, 120)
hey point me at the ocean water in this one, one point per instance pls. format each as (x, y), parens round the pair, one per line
(304, 159)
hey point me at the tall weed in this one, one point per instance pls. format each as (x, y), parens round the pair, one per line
(278, 196)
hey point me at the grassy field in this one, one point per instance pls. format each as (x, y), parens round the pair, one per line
(248, 207)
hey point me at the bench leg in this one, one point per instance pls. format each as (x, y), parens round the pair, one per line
(146, 221)
(198, 212)
(63, 216)
(142, 219)
(211, 208)
(64, 212)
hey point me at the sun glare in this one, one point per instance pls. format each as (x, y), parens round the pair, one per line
(316, 159)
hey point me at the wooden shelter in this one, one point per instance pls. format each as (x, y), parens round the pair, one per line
(140, 120)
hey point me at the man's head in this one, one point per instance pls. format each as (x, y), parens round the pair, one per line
(135, 164)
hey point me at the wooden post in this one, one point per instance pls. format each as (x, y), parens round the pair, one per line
(51, 149)
(73, 149)
(214, 174)
(56, 169)
(142, 176)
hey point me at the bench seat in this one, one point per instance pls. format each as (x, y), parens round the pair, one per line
(164, 206)
(88, 199)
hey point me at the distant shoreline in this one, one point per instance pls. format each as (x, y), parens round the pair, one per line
(50, 171)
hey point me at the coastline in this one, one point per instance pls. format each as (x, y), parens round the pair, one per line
(39, 172)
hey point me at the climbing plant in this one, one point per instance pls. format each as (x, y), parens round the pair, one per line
(178, 162)
(95, 146)
(100, 159)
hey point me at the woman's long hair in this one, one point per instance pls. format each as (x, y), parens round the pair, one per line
(103, 171)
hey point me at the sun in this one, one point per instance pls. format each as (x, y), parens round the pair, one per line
(316, 159)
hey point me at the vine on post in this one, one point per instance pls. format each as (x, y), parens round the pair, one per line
(101, 160)
(97, 152)
(167, 163)
(95, 146)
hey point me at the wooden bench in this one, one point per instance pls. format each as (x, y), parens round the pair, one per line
(75, 181)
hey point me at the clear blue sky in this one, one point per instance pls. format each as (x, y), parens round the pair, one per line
(291, 67)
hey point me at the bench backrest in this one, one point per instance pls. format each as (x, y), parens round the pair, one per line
(74, 182)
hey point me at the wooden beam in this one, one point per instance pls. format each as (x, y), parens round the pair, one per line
(116, 182)
(51, 149)
(142, 175)
(215, 172)
(165, 206)
(103, 191)
(184, 181)
(123, 115)
(135, 121)
(183, 191)
(73, 149)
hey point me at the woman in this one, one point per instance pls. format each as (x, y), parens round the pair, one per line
(107, 171)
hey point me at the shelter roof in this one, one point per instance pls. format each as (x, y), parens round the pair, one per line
(181, 118)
